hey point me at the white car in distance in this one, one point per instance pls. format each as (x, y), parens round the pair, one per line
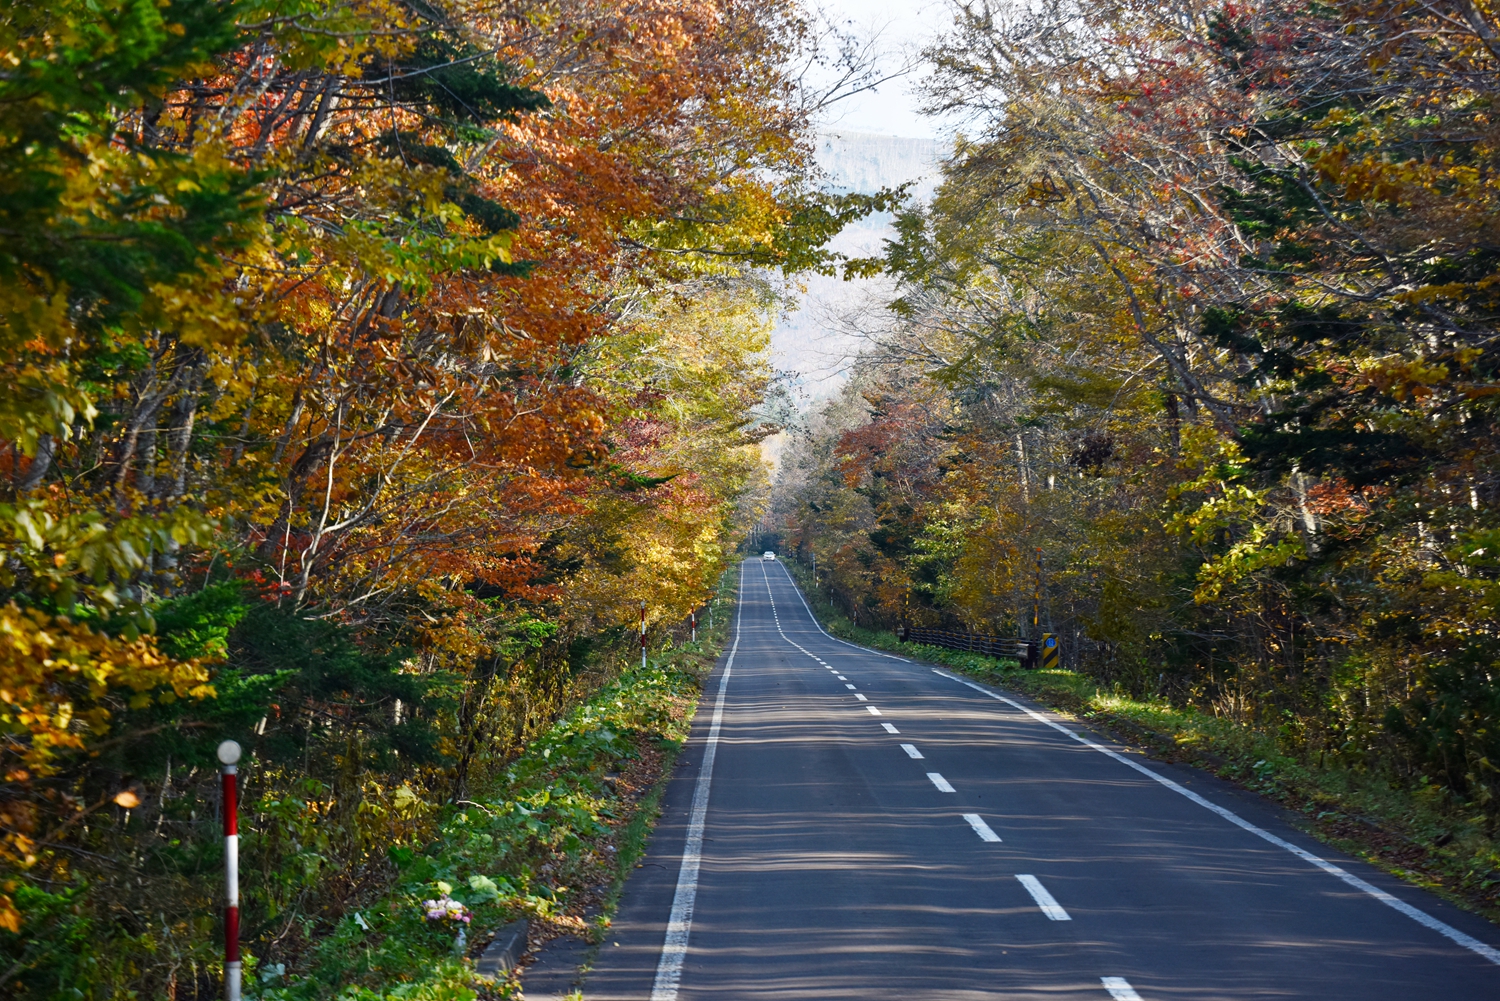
(769, 555)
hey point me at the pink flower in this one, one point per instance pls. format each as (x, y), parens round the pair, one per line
(445, 908)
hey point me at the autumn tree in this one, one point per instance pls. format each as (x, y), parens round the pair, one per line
(364, 363)
(1208, 290)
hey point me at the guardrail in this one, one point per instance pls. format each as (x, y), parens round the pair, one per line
(953, 639)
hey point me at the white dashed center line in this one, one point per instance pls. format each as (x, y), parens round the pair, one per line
(859, 696)
(911, 751)
(981, 828)
(842, 678)
(874, 712)
(1119, 988)
(943, 786)
(848, 686)
(1044, 900)
(888, 727)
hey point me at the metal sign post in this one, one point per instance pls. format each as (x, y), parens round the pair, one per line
(1036, 598)
(229, 755)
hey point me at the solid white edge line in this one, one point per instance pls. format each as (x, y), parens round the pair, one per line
(1119, 988)
(943, 785)
(819, 626)
(680, 923)
(912, 752)
(1419, 916)
(985, 832)
(1044, 900)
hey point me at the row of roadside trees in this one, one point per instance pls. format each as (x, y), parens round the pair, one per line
(1198, 341)
(364, 367)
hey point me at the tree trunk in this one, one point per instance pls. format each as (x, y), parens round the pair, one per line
(46, 447)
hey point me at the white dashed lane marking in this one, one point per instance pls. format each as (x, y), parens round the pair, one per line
(1119, 988)
(981, 828)
(1044, 900)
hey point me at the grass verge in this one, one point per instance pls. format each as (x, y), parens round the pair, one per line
(552, 837)
(1422, 835)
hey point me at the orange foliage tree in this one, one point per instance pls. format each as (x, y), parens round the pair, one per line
(312, 423)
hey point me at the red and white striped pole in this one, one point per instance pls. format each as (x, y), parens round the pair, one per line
(693, 620)
(643, 635)
(229, 754)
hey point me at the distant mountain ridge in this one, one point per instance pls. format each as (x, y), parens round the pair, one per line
(864, 162)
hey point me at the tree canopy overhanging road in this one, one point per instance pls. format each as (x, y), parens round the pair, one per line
(387, 388)
(875, 828)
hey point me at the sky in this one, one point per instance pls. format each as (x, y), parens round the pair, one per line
(903, 25)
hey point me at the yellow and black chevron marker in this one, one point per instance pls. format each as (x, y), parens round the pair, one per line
(1050, 651)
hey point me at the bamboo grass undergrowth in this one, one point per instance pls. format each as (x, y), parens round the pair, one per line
(554, 827)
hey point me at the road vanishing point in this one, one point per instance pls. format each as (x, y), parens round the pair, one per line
(847, 824)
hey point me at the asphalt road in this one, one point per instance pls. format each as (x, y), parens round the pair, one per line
(957, 846)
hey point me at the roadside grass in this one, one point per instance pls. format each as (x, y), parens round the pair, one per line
(1422, 835)
(551, 837)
